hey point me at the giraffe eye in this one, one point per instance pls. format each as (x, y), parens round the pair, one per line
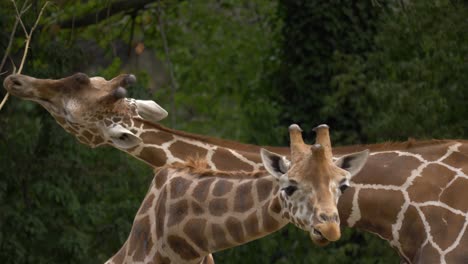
(343, 187)
(290, 190)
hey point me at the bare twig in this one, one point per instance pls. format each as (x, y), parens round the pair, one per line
(116, 7)
(19, 14)
(12, 35)
(29, 36)
(10, 42)
(4, 100)
(168, 62)
(28, 39)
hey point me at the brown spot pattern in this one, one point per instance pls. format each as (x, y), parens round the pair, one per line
(87, 135)
(275, 205)
(431, 152)
(147, 204)
(218, 206)
(157, 138)
(181, 247)
(140, 239)
(269, 223)
(387, 164)
(225, 160)
(445, 225)
(457, 160)
(374, 216)
(251, 225)
(108, 122)
(428, 254)
(154, 156)
(160, 259)
(458, 255)
(197, 209)
(120, 256)
(195, 231)
(179, 150)
(234, 227)
(456, 195)
(177, 212)
(243, 200)
(429, 186)
(222, 187)
(160, 178)
(345, 204)
(264, 187)
(412, 233)
(294, 210)
(219, 237)
(161, 213)
(179, 186)
(200, 192)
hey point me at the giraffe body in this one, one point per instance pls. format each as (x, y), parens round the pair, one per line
(415, 196)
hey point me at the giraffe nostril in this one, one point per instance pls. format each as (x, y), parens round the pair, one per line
(323, 217)
(16, 82)
(336, 218)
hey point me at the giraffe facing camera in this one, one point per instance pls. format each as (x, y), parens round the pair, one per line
(191, 211)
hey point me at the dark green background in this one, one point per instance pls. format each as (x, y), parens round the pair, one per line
(244, 70)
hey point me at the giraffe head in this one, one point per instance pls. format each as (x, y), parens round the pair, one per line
(93, 109)
(311, 183)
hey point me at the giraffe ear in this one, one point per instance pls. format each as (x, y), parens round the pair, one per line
(353, 162)
(122, 137)
(275, 164)
(150, 110)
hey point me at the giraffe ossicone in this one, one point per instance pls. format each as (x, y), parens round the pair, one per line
(192, 211)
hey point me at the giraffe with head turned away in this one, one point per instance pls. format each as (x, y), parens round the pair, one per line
(411, 194)
(97, 113)
(191, 211)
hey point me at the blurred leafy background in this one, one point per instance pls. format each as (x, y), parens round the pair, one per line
(244, 70)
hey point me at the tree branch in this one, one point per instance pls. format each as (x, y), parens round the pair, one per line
(28, 40)
(168, 62)
(29, 36)
(12, 35)
(104, 13)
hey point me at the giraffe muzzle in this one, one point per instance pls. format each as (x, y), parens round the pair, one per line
(323, 234)
(16, 85)
(11, 84)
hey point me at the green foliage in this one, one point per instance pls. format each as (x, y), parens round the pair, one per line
(313, 32)
(217, 49)
(413, 84)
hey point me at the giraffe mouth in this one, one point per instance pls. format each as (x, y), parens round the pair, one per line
(318, 238)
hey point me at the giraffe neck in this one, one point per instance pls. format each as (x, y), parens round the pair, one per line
(201, 214)
(414, 197)
(161, 145)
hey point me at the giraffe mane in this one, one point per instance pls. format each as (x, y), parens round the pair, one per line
(216, 141)
(199, 167)
(393, 145)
